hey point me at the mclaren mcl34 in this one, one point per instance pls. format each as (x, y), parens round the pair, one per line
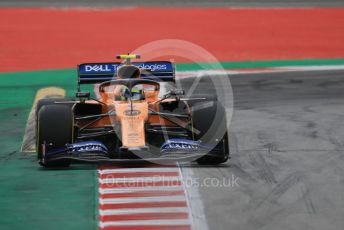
(131, 119)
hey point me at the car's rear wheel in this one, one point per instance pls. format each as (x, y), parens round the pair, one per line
(210, 124)
(54, 130)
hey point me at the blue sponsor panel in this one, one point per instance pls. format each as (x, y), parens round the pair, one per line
(80, 147)
(100, 72)
(87, 146)
(182, 145)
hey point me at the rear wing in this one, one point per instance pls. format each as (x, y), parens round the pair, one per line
(90, 73)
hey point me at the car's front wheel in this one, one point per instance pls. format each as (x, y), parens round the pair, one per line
(210, 124)
(54, 130)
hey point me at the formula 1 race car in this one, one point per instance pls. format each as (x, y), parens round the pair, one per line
(131, 120)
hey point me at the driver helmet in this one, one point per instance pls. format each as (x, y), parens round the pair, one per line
(128, 71)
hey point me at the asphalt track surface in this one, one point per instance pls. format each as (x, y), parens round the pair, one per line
(175, 3)
(287, 153)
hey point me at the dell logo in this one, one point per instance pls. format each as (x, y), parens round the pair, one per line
(97, 68)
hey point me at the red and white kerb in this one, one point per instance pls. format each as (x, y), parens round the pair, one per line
(142, 198)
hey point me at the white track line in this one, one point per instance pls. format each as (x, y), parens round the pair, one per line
(202, 73)
(130, 170)
(114, 180)
(110, 212)
(141, 199)
(140, 189)
(167, 222)
(312, 68)
(195, 204)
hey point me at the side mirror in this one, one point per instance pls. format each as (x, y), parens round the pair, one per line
(83, 94)
(177, 92)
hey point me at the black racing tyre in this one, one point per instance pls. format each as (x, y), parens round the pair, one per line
(54, 130)
(209, 121)
(208, 116)
(50, 101)
(214, 158)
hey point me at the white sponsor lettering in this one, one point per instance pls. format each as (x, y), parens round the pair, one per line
(97, 68)
(181, 146)
(86, 148)
(113, 67)
(152, 67)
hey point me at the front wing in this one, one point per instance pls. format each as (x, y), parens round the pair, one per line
(172, 151)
